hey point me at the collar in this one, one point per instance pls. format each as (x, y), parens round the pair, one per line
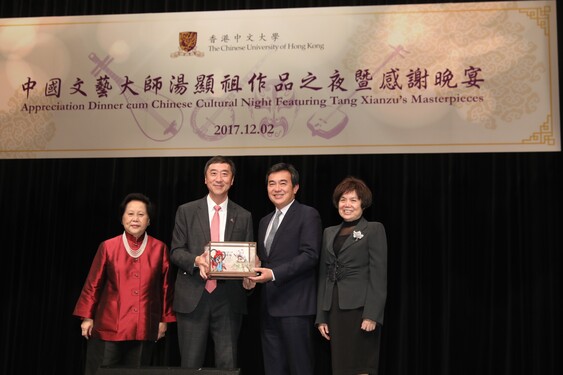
(135, 242)
(284, 208)
(211, 204)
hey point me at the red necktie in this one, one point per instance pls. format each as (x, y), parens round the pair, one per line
(210, 285)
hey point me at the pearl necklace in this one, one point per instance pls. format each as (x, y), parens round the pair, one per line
(135, 253)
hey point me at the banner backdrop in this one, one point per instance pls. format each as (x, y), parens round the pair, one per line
(468, 77)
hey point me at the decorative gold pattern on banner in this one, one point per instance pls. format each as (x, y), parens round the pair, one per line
(20, 131)
(540, 15)
(544, 135)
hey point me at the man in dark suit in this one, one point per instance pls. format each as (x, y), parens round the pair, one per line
(204, 306)
(289, 242)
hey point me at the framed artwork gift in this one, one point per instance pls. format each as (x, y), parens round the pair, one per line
(231, 260)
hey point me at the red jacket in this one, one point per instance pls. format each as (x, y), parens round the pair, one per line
(127, 297)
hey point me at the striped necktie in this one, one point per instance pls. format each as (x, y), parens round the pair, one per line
(273, 231)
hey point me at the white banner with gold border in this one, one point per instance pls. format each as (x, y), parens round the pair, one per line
(467, 77)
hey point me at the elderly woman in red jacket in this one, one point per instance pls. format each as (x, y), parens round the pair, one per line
(126, 301)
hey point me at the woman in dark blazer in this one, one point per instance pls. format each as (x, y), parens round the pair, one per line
(353, 283)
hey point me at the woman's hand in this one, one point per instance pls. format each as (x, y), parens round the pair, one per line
(323, 329)
(86, 327)
(368, 325)
(162, 326)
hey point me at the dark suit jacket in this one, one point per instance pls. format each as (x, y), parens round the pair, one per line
(293, 258)
(191, 234)
(362, 274)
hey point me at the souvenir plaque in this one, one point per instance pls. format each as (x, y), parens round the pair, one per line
(231, 260)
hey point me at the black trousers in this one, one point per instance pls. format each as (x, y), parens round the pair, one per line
(214, 316)
(117, 354)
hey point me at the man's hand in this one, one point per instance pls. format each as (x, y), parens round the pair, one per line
(202, 262)
(248, 284)
(265, 275)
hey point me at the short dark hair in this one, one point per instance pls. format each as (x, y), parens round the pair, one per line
(350, 184)
(220, 160)
(136, 197)
(284, 167)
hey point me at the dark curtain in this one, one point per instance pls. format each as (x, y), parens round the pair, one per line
(474, 240)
